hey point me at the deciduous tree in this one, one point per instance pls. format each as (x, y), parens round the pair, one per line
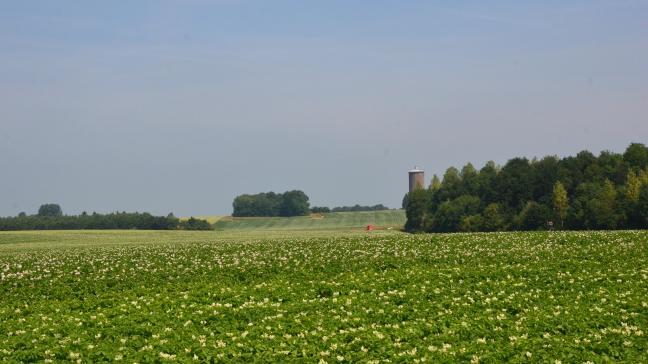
(560, 202)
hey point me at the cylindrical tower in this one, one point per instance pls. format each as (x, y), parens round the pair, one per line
(416, 179)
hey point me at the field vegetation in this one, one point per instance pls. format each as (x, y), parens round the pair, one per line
(161, 296)
(394, 219)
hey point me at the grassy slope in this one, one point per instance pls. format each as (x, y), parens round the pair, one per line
(335, 220)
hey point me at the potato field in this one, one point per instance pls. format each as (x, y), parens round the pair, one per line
(368, 297)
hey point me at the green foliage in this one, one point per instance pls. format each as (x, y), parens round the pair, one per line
(492, 219)
(50, 209)
(451, 187)
(356, 208)
(450, 215)
(184, 296)
(560, 202)
(117, 220)
(471, 223)
(320, 209)
(602, 207)
(195, 224)
(513, 183)
(435, 184)
(533, 216)
(290, 203)
(636, 156)
(641, 209)
(579, 192)
(261, 204)
(417, 209)
(632, 187)
(294, 203)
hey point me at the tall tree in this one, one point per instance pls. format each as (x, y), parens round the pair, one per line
(469, 179)
(636, 155)
(405, 200)
(435, 184)
(451, 186)
(492, 218)
(513, 183)
(545, 174)
(602, 208)
(642, 208)
(632, 187)
(50, 209)
(417, 209)
(560, 202)
(295, 203)
(486, 182)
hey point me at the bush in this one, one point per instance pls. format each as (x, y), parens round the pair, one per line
(195, 224)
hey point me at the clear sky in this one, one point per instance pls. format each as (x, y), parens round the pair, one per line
(179, 106)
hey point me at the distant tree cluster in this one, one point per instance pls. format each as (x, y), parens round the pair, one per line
(50, 217)
(578, 193)
(354, 208)
(320, 209)
(194, 224)
(289, 203)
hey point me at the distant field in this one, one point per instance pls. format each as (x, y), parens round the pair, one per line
(336, 220)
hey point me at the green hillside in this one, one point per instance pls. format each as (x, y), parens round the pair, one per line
(336, 220)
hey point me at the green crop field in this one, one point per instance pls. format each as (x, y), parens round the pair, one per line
(282, 296)
(394, 219)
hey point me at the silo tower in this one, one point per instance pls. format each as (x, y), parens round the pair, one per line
(416, 179)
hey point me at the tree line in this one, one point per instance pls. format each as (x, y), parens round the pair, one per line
(50, 217)
(354, 208)
(582, 192)
(289, 203)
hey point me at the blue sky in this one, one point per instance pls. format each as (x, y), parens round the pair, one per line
(179, 106)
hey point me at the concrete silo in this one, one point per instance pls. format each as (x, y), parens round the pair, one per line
(416, 179)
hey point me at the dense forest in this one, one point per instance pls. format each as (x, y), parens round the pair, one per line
(50, 217)
(289, 203)
(354, 208)
(608, 191)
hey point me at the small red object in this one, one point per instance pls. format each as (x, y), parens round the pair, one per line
(370, 227)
